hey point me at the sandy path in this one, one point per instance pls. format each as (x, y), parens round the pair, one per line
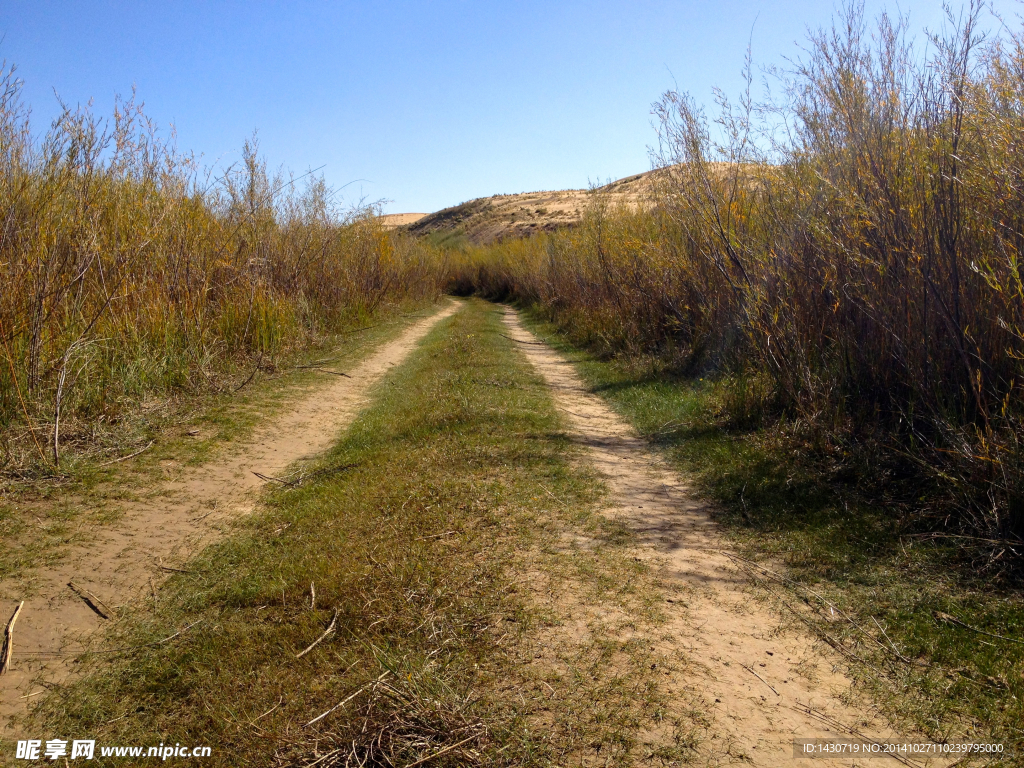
(191, 513)
(724, 633)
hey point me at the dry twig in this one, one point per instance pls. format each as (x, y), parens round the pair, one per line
(91, 600)
(322, 637)
(5, 660)
(129, 456)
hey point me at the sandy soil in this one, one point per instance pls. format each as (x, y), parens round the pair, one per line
(759, 680)
(124, 560)
(392, 220)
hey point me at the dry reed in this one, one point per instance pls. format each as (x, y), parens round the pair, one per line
(128, 271)
(847, 251)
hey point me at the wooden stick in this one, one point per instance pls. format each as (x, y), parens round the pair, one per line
(341, 704)
(129, 456)
(751, 671)
(435, 536)
(312, 596)
(322, 637)
(160, 562)
(253, 374)
(520, 341)
(322, 370)
(5, 661)
(954, 620)
(56, 411)
(303, 477)
(279, 701)
(124, 649)
(91, 600)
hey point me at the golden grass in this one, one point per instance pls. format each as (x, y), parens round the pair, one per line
(859, 275)
(128, 272)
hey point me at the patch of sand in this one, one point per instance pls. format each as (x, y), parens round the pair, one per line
(393, 220)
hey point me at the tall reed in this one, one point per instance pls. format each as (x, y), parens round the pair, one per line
(126, 270)
(855, 239)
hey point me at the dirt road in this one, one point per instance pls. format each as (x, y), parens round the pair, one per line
(119, 564)
(761, 682)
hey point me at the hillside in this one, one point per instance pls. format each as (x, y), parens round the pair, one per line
(489, 219)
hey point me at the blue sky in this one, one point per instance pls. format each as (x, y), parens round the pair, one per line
(429, 103)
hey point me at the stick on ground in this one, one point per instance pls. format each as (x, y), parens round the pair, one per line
(322, 637)
(322, 370)
(129, 456)
(91, 600)
(5, 660)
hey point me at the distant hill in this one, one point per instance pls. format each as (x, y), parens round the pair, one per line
(488, 219)
(392, 220)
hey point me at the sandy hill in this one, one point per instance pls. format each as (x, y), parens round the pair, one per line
(393, 220)
(488, 219)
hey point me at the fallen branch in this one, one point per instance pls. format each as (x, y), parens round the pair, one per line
(954, 620)
(520, 341)
(91, 600)
(318, 718)
(253, 374)
(123, 649)
(322, 370)
(176, 570)
(751, 671)
(835, 609)
(435, 536)
(5, 660)
(302, 478)
(279, 702)
(938, 535)
(841, 727)
(129, 456)
(324, 636)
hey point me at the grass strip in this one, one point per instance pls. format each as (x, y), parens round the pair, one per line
(422, 607)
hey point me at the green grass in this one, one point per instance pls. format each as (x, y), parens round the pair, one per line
(442, 552)
(784, 507)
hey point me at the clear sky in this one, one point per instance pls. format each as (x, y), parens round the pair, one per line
(429, 103)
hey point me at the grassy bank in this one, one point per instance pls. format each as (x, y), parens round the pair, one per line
(437, 553)
(934, 640)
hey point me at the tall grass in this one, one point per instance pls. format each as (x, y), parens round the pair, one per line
(127, 270)
(848, 250)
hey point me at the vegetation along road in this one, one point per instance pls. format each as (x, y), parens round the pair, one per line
(489, 564)
(677, 470)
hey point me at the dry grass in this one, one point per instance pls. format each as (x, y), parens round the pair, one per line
(857, 272)
(130, 273)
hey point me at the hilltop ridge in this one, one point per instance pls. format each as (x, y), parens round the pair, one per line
(489, 219)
